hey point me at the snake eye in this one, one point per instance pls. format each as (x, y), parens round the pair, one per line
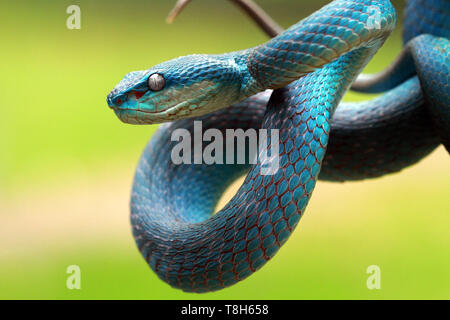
(156, 82)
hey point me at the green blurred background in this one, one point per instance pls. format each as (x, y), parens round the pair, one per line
(66, 166)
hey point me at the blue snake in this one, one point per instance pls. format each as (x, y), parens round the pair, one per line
(293, 83)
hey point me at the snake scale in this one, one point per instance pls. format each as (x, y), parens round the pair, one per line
(293, 83)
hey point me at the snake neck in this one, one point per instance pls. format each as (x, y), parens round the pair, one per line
(319, 39)
(311, 44)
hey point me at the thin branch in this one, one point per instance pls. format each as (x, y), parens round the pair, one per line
(262, 19)
(256, 13)
(179, 6)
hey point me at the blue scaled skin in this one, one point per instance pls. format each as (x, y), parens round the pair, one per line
(309, 67)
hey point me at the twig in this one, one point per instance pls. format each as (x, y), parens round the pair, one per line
(256, 13)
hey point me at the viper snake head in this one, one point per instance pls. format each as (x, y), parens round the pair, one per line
(184, 87)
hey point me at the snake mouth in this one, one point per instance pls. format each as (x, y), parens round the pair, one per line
(164, 106)
(142, 116)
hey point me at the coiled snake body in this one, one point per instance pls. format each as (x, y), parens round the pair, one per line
(310, 66)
